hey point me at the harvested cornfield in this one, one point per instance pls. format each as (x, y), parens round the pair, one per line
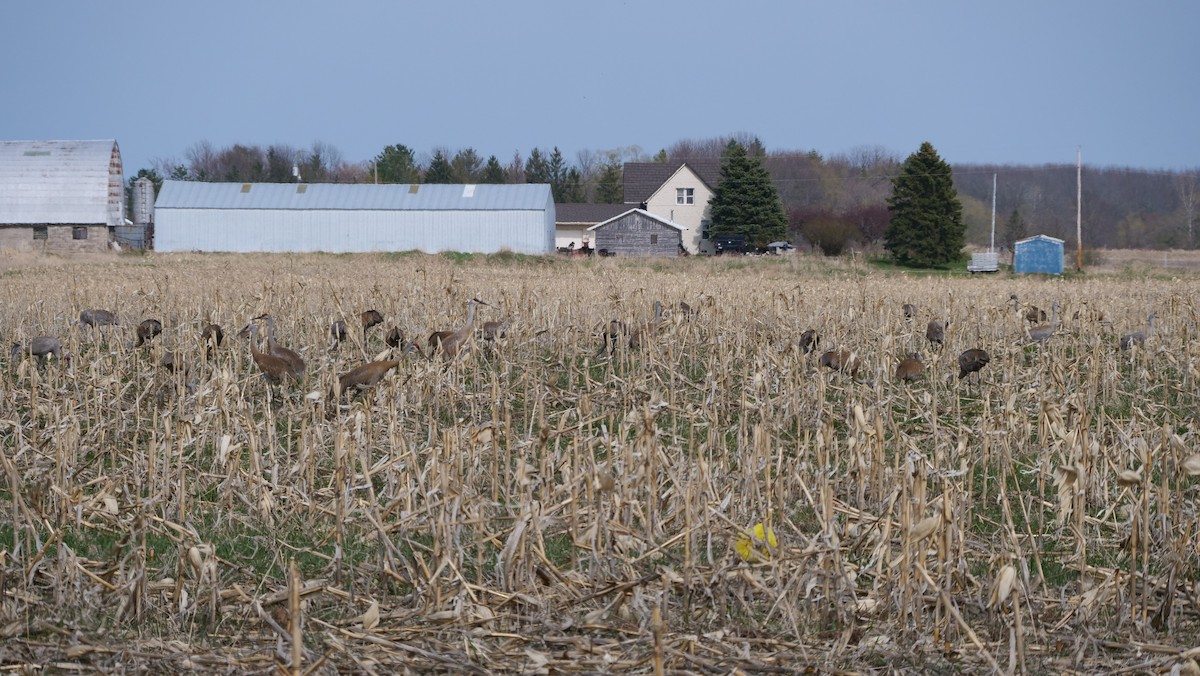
(687, 491)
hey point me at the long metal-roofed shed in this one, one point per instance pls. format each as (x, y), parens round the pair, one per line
(60, 195)
(349, 218)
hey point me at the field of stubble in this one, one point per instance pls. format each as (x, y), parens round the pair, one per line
(540, 506)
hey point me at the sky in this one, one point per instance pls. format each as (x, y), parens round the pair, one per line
(1024, 82)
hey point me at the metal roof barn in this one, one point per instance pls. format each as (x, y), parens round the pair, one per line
(348, 218)
(1040, 253)
(61, 183)
(60, 195)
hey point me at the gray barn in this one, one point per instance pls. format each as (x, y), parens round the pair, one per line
(637, 233)
(60, 195)
(348, 218)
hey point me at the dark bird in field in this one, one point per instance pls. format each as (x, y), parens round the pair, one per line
(971, 361)
(365, 376)
(171, 362)
(614, 333)
(642, 334)
(148, 329)
(1040, 334)
(273, 368)
(841, 360)
(95, 318)
(910, 368)
(40, 347)
(809, 340)
(494, 331)
(1138, 338)
(395, 337)
(687, 311)
(294, 362)
(910, 310)
(935, 332)
(369, 319)
(449, 343)
(211, 337)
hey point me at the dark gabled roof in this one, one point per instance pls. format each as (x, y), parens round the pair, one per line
(643, 178)
(577, 212)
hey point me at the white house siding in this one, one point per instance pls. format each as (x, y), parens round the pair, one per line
(690, 216)
(264, 230)
(572, 234)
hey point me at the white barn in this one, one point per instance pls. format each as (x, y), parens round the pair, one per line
(349, 218)
(60, 195)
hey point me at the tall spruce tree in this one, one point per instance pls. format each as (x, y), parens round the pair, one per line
(1014, 230)
(610, 189)
(926, 227)
(493, 172)
(537, 170)
(746, 201)
(396, 164)
(439, 170)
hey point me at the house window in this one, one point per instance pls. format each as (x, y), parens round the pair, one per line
(704, 233)
(685, 195)
(654, 239)
(40, 232)
(79, 232)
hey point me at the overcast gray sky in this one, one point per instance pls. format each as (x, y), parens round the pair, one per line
(1013, 82)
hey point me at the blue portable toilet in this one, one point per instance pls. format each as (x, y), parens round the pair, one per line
(1040, 253)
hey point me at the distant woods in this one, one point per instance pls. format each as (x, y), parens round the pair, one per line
(831, 202)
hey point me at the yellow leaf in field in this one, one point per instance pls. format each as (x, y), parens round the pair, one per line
(1129, 477)
(924, 528)
(1003, 586)
(755, 545)
(1191, 466)
(370, 618)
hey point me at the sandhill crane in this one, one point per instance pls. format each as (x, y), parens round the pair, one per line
(40, 347)
(910, 368)
(613, 334)
(369, 319)
(274, 368)
(1033, 314)
(686, 310)
(94, 318)
(337, 331)
(1138, 338)
(641, 334)
(211, 336)
(395, 337)
(494, 330)
(1040, 334)
(365, 376)
(910, 310)
(971, 361)
(451, 342)
(809, 340)
(841, 360)
(295, 363)
(148, 329)
(935, 332)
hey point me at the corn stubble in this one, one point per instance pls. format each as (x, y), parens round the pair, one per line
(539, 503)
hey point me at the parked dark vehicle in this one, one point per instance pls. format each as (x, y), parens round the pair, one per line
(732, 244)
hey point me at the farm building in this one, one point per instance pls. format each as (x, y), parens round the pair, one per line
(60, 195)
(678, 192)
(348, 218)
(574, 219)
(1040, 253)
(637, 233)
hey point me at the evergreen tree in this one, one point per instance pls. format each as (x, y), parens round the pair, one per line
(1014, 230)
(396, 164)
(439, 170)
(746, 201)
(537, 170)
(466, 165)
(661, 157)
(492, 172)
(926, 226)
(569, 188)
(611, 188)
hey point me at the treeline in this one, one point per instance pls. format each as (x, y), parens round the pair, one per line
(831, 202)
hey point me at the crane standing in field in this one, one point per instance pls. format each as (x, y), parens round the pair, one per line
(293, 361)
(1040, 334)
(971, 361)
(211, 337)
(809, 340)
(1138, 338)
(841, 360)
(148, 329)
(935, 332)
(40, 347)
(910, 368)
(365, 376)
(450, 343)
(274, 368)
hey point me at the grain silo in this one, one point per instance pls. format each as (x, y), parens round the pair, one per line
(347, 218)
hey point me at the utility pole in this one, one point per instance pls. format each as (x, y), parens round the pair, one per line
(1079, 210)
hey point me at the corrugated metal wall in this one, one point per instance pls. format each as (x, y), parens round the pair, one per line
(1038, 254)
(346, 231)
